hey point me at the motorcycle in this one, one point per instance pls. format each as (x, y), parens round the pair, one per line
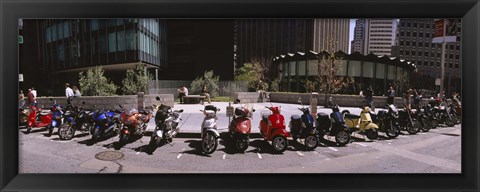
(422, 118)
(166, 122)
(333, 125)
(442, 112)
(302, 128)
(78, 119)
(362, 123)
(23, 113)
(209, 132)
(39, 117)
(387, 121)
(407, 122)
(455, 111)
(432, 119)
(134, 123)
(272, 128)
(106, 123)
(240, 127)
(57, 118)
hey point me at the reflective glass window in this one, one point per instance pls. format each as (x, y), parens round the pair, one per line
(293, 68)
(312, 67)
(131, 40)
(121, 40)
(341, 68)
(302, 66)
(112, 44)
(368, 68)
(380, 71)
(354, 68)
(391, 72)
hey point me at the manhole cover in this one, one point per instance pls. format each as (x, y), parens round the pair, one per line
(109, 155)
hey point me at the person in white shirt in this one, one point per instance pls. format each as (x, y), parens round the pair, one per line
(68, 91)
(34, 92)
(182, 92)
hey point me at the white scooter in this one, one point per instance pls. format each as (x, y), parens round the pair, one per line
(209, 134)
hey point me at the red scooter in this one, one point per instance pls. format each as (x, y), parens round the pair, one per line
(39, 118)
(240, 127)
(272, 127)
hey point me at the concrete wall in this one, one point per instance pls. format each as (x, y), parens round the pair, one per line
(109, 102)
(247, 97)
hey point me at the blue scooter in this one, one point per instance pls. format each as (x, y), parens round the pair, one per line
(106, 124)
(302, 128)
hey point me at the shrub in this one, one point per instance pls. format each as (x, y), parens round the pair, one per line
(208, 79)
(94, 83)
(135, 81)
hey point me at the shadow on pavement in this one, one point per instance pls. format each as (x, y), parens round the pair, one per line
(35, 130)
(263, 146)
(195, 146)
(89, 142)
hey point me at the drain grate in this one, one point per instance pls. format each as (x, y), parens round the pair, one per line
(109, 155)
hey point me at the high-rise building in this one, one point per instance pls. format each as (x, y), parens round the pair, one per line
(375, 36)
(264, 39)
(335, 31)
(358, 37)
(415, 44)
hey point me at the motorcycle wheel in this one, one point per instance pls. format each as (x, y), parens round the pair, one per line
(372, 134)
(29, 129)
(241, 144)
(95, 135)
(392, 131)
(311, 142)
(66, 132)
(342, 138)
(50, 130)
(434, 123)
(426, 126)
(413, 128)
(279, 144)
(209, 143)
(123, 138)
(449, 122)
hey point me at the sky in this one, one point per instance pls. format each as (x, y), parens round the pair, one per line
(350, 37)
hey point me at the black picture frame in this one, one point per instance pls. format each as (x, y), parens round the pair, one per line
(468, 10)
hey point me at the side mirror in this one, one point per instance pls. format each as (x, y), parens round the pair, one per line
(253, 110)
(157, 98)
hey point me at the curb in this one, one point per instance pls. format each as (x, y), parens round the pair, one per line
(222, 134)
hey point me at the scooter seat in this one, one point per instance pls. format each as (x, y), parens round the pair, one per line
(295, 117)
(351, 116)
(45, 112)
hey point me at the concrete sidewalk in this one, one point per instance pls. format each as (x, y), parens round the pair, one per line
(192, 117)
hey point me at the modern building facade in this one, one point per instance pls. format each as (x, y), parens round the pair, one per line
(415, 44)
(375, 36)
(362, 71)
(263, 39)
(331, 34)
(56, 50)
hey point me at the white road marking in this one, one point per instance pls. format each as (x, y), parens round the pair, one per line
(299, 153)
(327, 159)
(259, 156)
(179, 155)
(138, 153)
(224, 155)
(360, 144)
(316, 153)
(404, 136)
(333, 149)
(389, 143)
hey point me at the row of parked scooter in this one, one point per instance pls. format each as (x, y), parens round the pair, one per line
(131, 124)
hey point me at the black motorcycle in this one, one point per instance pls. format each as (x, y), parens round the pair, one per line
(387, 121)
(407, 122)
(302, 127)
(333, 125)
(442, 113)
(427, 109)
(78, 119)
(421, 116)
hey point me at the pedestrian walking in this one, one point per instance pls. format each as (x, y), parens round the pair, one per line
(417, 98)
(68, 91)
(368, 96)
(182, 92)
(408, 99)
(21, 99)
(31, 98)
(34, 92)
(391, 95)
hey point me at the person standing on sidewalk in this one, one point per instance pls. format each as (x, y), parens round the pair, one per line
(34, 92)
(408, 99)
(391, 95)
(369, 96)
(76, 92)
(68, 91)
(31, 98)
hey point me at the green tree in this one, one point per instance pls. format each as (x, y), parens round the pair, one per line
(208, 79)
(252, 73)
(94, 83)
(135, 81)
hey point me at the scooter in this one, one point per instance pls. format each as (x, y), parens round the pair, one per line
(406, 122)
(134, 124)
(333, 125)
(166, 122)
(78, 119)
(57, 118)
(106, 123)
(362, 123)
(240, 127)
(272, 128)
(39, 117)
(209, 132)
(302, 128)
(387, 121)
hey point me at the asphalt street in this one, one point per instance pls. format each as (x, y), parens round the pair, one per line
(436, 151)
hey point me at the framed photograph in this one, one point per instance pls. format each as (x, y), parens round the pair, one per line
(239, 95)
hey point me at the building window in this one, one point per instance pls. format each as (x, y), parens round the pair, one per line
(414, 34)
(380, 71)
(400, 74)
(414, 43)
(391, 72)
(302, 66)
(425, 53)
(408, 24)
(408, 34)
(402, 24)
(66, 29)
(121, 40)
(293, 68)
(401, 43)
(407, 43)
(94, 24)
(427, 35)
(48, 35)
(54, 32)
(420, 44)
(354, 68)
(61, 52)
(402, 33)
(112, 43)
(131, 40)
(312, 68)
(428, 26)
(60, 31)
(414, 53)
(414, 24)
(457, 57)
(401, 52)
(438, 55)
(421, 25)
(407, 52)
(368, 68)
(341, 68)
(102, 44)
